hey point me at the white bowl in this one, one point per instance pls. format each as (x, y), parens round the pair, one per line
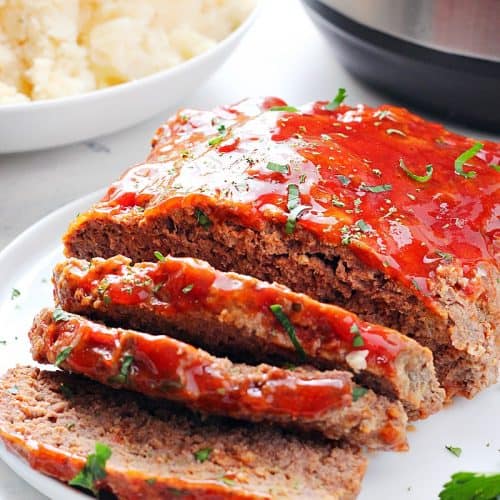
(55, 122)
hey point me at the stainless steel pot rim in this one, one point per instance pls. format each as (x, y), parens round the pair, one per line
(459, 27)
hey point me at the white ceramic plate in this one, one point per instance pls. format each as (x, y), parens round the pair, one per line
(419, 474)
(54, 122)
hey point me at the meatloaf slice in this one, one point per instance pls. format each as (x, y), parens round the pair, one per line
(54, 419)
(232, 314)
(161, 367)
(373, 209)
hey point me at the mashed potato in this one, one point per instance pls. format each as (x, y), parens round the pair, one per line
(56, 48)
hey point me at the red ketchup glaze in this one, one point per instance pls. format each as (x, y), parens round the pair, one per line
(179, 285)
(346, 163)
(167, 368)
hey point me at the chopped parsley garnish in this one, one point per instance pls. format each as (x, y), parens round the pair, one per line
(122, 377)
(358, 392)
(94, 469)
(336, 202)
(337, 100)
(495, 167)
(187, 288)
(345, 181)
(289, 109)
(63, 355)
(202, 455)
(357, 341)
(277, 310)
(376, 189)
(277, 167)
(217, 140)
(159, 256)
(419, 178)
(157, 287)
(202, 218)
(391, 131)
(445, 256)
(14, 294)
(454, 450)
(363, 226)
(294, 208)
(151, 481)
(302, 178)
(471, 486)
(60, 315)
(465, 156)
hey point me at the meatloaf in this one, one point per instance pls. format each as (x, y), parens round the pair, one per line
(161, 367)
(54, 420)
(374, 209)
(233, 314)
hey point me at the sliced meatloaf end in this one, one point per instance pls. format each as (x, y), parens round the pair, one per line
(233, 315)
(159, 366)
(376, 210)
(53, 420)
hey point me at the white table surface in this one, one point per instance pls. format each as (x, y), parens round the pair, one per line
(282, 55)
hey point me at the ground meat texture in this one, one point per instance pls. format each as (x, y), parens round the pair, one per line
(327, 402)
(371, 209)
(231, 314)
(54, 419)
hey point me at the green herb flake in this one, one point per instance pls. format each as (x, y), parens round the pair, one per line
(345, 181)
(354, 329)
(337, 100)
(202, 455)
(454, 450)
(151, 481)
(94, 469)
(277, 167)
(288, 109)
(419, 178)
(63, 355)
(226, 480)
(277, 310)
(363, 226)
(471, 486)
(358, 341)
(202, 218)
(392, 131)
(222, 129)
(358, 392)
(464, 157)
(448, 257)
(294, 207)
(187, 288)
(215, 140)
(159, 256)
(59, 315)
(336, 202)
(14, 294)
(376, 189)
(122, 376)
(302, 178)
(157, 287)
(496, 168)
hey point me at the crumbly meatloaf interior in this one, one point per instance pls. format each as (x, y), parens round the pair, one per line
(155, 444)
(326, 273)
